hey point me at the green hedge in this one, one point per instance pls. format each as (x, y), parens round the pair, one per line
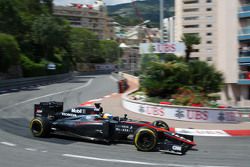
(32, 69)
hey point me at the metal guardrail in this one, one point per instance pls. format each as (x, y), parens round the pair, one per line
(22, 82)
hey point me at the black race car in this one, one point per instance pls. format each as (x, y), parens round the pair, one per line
(88, 123)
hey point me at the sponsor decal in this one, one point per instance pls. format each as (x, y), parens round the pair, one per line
(149, 48)
(39, 111)
(200, 132)
(197, 115)
(156, 111)
(179, 114)
(227, 116)
(124, 128)
(77, 110)
(221, 116)
(176, 148)
(69, 114)
(141, 109)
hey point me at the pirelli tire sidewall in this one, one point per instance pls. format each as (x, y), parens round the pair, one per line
(40, 127)
(138, 136)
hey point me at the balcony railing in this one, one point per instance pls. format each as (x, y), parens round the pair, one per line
(244, 75)
(244, 53)
(244, 31)
(244, 8)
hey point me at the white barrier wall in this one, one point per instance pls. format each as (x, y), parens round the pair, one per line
(194, 114)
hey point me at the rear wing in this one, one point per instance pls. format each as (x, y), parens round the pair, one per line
(46, 109)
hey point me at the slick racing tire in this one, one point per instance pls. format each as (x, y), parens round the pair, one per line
(40, 127)
(160, 124)
(145, 139)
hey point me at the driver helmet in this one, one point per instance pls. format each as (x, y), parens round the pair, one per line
(107, 116)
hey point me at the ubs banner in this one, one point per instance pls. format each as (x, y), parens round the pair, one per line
(184, 114)
(176, 48)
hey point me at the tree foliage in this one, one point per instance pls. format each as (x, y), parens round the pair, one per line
(205, 77)
(84, 46)
(190, 40)
(10, 19)
(109, 50)
(49, 33)
(165, 78)
(9, 52)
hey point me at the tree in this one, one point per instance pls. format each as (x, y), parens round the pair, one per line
(147, 59)
(109, 50)
(9, 52)
(164, 79)
(205, 77)
(49, 33)
(10, 19)
(85, 46)
(190, 40)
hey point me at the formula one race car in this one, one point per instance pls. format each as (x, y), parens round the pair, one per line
(87, 123)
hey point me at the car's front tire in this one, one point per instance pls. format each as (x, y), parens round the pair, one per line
(145, 139)
(40, 127)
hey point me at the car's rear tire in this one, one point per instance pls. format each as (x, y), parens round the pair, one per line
(40, 127)
(160, 124)
(145, 139)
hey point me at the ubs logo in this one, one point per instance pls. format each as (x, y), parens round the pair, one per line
(221, 116)
(141, 109)
(179, 114)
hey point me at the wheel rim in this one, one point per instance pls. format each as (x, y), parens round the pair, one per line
(36, 127)
(145, 140)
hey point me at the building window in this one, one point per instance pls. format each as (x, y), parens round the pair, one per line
(209, 34)
(209, 42)
(191, 18)
(191, 26)
(197, 34)
(209, 58)
(209, 49)
(209, 25)
(209, 17)
(196, 50)
(191, 2)
(209, 9)
(191, 10)
(209, 1)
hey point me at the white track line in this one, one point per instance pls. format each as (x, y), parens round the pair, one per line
(48, 95)
(8, 144)
(133, 162)
(5, 94)
(113, 78)
(30, 149)
(109, 160)
(95, 100)
(107, 96)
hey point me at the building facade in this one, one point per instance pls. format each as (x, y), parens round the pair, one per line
(91, 17)
(224, 28)
(169, 29)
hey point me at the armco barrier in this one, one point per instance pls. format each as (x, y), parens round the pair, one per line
(22, 82)
(181, 113)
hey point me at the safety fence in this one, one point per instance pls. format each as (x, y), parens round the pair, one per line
(24, 82)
